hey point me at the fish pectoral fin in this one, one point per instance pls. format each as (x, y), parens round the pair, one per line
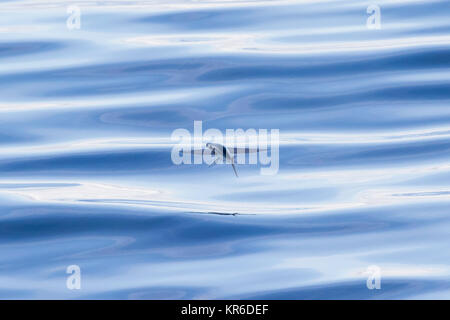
(214, 162)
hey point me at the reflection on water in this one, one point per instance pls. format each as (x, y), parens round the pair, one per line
(87, 179)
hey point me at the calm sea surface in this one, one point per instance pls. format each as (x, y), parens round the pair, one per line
(86, 176)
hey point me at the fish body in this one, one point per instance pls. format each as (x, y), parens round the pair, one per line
(221, 152)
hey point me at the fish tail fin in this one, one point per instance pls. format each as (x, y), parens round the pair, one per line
(234, 168)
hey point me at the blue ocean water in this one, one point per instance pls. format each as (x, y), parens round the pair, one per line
(86, 176)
